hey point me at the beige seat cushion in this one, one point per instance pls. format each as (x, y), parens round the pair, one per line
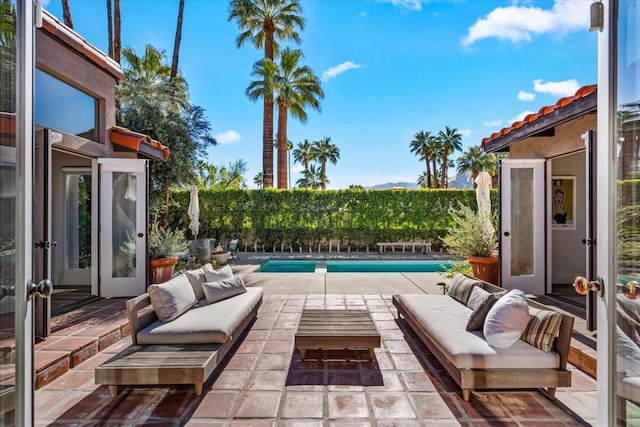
(444, 320)
(204, 324)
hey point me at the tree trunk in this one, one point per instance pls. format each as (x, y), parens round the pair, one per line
(110, 27)
(267, 120)
(282, 145)
(435, 173)
(445, 168)
(323, 177)
(66, 14)
(117, 32)
(176, 43)
(428, 183)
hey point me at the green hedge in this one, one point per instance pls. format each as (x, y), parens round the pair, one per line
(306, 218)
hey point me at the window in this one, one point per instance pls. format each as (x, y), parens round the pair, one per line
(63, 107)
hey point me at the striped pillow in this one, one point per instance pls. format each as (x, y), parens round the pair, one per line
(542, 329)
(461, 288)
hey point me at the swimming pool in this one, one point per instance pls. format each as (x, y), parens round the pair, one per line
(291, 266)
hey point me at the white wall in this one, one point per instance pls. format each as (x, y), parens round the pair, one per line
(568, 252)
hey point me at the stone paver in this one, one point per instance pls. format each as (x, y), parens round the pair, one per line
(264, 382)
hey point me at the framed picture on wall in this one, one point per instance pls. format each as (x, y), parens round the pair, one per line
(563, 202)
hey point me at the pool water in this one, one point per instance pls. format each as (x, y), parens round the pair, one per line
(431, 266)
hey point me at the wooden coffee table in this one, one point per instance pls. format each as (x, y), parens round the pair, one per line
(336, 330)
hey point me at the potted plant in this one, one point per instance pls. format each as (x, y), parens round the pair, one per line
(164, 246)
(471, 236)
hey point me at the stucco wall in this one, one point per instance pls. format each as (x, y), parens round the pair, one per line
(568, 253)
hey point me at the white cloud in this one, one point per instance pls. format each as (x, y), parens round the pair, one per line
(228, 137)
(518, 23)
(520, 116)
(339, 69)
(493, 123)
(407, 4)
(465, 132)
(564, 88)
(297, 168)
(526, 96)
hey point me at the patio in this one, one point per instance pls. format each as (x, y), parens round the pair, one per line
(264, 382)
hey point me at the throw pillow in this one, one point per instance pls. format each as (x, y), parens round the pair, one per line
(628, 359)
(213, 275)
(479, 314)
(477, 297)
(542, 329)
(227, 288)
(172, 298)
(461, 288)
(507, 320)
(196, 279)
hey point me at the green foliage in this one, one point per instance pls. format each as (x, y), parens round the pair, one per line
(165, 242)
(304, 217)
(469, 234)
(462, 267)
(222, 177)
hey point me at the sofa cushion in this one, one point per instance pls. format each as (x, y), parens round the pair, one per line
(443, 320)
(507, 320)
(196, 279)
(213, 275)
(206, 324)
(477, 297)
(461, 288)
(172, 298)
(542, 329)
(217, 291)
(479, 314)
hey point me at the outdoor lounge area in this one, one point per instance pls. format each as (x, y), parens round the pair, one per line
(264, 381)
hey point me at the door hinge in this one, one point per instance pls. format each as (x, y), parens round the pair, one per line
(596, 16)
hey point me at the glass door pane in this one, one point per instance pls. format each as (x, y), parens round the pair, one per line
(628, 213)
(124, 226)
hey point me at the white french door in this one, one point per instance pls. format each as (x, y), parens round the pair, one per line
(123, 226)
(522, 225)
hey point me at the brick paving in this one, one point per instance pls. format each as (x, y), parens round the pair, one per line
(264, 382)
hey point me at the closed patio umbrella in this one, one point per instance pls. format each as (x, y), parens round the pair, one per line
(483, 198)
(194, 212)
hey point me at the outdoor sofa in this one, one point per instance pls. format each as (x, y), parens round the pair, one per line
(441, 323)
(182, 329)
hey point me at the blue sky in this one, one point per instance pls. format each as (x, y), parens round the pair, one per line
(390, 69)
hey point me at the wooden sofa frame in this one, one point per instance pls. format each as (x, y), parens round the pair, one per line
(190, 364)
(482, 379)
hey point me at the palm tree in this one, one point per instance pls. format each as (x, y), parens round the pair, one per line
(294, 87)
(451, 142)
(311, 178)
(303, 153)
(434, 148)
(423, 180)
(66, 14)
(324, 151)
(258, 179)
(117, 32)
(475, 161)
(420, 147)
(110, 28)
(176, 42)
(261, 22)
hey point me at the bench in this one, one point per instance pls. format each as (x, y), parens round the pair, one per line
(424, 246)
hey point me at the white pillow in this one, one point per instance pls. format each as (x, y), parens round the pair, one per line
(227, 288)
(212, 275)
(628, 355)
(477, 297)
(171, 299)
(507, 320)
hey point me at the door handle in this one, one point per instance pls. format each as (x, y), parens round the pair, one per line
(44, 288)
(629, 289)
(583, 286)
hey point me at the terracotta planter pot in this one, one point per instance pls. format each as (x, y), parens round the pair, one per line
(485, 268)
(161, 270)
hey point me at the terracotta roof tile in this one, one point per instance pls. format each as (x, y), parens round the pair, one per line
(548, 109)
(139, 142)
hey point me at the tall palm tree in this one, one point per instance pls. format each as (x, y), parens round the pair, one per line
(419, 146)
(451, 141)
(66, 14)
(324, 151)
(176, 42)
(110, 28)
(262, 22)
(311, 178)
(117, 32)
(422, 181)
(294, 87)
(434, 148)
(257, 180)
(475, 161)
(303, 153)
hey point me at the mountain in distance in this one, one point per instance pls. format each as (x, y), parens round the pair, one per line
(390, 185)
(456, 181)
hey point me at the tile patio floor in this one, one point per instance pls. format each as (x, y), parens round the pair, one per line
(264, 382)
